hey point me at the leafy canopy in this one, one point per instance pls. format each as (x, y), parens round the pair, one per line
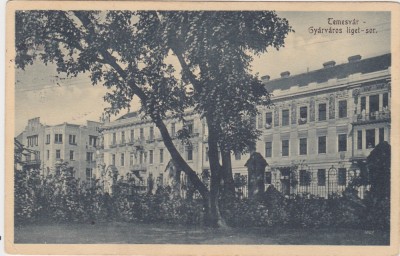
(127, 51)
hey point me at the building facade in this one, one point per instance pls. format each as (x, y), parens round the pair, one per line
(315, 137)
(65, 142)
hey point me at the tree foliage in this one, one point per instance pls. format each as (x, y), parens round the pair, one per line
(128, 52)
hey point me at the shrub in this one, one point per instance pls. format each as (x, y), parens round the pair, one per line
(308, 211)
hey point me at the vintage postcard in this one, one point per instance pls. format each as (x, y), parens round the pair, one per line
(202, 128)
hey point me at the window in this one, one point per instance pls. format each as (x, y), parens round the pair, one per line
(32, 140)
(373, 103)
(131, 156)
(342, 177)
(122, 159)
(359, 140)
(173, 129)
(141, 157)
(161, 156)
(123, 137)
(113, 159)
(304, 178)
(58, 154)
(381, 135)
(47, 138)
(303, 146)
(285, 117)
(322, 145)
(48, 154)
(151, 156)
(268, 177)
(268, 149)
(285, 147)
(303, 115)
(89, 173)
(268, 120)
(322, 112)
(189, 127)
(385, 100)
(206, 154)
(132, 135)
(260, 121)
(342, 142)
(342, 108)
(141, 133)
(321, 176)
(151, 137)
(363, 103)
(238, 156)
(370, 138)
(189, 151)
(71, 155)
(92, 140)
(114, 138)
(58, 138)
(89, 156)
(72, 139)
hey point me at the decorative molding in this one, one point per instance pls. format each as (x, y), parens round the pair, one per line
(332, 106)
(293, 112)
(312, 109)
(276, 116)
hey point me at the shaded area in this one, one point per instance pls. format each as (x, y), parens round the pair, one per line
(134, 233)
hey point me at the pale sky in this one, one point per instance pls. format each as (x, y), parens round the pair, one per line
(41, 92)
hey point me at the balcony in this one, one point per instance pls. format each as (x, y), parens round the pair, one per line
(100, 146)
(150, 139)
(91, 163)
(113, 145)
(373, 117)
(138, 167)
(139, 143)
(32, 162)
(302, 121)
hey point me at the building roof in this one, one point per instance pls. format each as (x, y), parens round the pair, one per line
(368, 65)
(129, 115)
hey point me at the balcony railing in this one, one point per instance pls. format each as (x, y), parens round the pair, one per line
(150, 139)
(373, 116)
(139, 167)
(302, 121)
(32, 161)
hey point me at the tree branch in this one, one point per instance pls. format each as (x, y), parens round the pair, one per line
(110, 60)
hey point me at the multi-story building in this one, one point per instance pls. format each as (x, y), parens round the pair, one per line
(315, 137)
(133, 147)
(65, 142)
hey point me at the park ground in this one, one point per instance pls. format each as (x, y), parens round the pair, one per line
(139, 233)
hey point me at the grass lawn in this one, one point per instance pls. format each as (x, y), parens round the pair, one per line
(138, 233)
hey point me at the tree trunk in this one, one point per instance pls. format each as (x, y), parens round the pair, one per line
(215, 218)
(227, 176)
(181, 163)
(177, 158)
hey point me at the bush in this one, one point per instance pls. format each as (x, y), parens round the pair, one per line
(26, 205)
(62, 198)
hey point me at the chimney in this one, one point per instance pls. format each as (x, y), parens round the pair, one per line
(285, 74)
(354, 58)
(329, 64)
(265, 78)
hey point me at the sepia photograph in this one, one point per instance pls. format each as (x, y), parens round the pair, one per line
(157, 125)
